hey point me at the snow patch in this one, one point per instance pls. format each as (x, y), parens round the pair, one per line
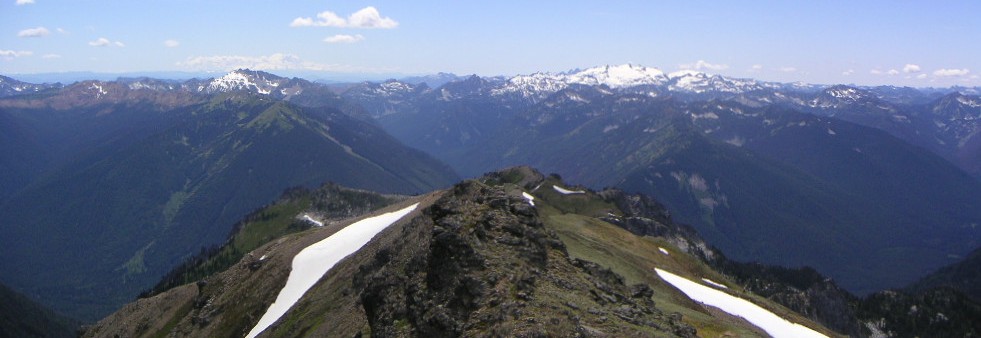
(713, 283)
(100, 90)
(313, 262)
(529, 197)
(968, 102)
(567, 191)
(311, 220)
(831, 132)
(664, 251)
(707, 116)
(736, 141)
(762, 318)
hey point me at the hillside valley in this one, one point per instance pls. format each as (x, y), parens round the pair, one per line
(132, 179)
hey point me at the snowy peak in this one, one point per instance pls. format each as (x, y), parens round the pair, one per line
(848, 94)
(698, 82)
(970, 101)
(10, 87)
(538, 85)
(244, 79)
(620, 76)
(843, 96)
(958, 107)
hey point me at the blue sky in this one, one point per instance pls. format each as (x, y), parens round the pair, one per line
(915, 43)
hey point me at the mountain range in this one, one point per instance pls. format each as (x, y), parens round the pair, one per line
(748, 163)
(875, 187)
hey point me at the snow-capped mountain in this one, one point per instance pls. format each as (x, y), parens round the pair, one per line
(9, 87)
(538, 85)
(244, 79)
(640, 79)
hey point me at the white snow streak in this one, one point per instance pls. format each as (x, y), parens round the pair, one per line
(713, 283)
(762, 318)
(311, 220)
(664, 251)
(529, 197)
(567, 191)
(315, 260)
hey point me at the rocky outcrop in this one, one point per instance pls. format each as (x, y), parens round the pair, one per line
(488, 267)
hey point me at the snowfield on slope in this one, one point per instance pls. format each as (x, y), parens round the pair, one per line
(529, 197)
(315, 260)
(565, 191)
(762, 318)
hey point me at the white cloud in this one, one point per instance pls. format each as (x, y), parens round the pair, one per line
(756, 68)
(944, 72)
(51, 56)
(24, 2)
(701, 64)
(344, 38)
(875, 72)
(892, 72)
(911, 68)
(787, 69)
(921, 76)
(10, 54)
(277, 61)
(848, 72)
(367, 17)
(33, 32)
(103, 42)
(100, 42)
(301, 22)
(171, 43)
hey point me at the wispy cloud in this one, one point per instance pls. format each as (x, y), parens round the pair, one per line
(24, 2)
(944, 72)
(848, 72)
(11, 54)
(892, 72)
(344, 38)
(103, 42)
(703, 65)
(34, 32)
(51, 56)
(788, 69)
(277, 61)
(911, 68)
(367, 17)
(171, 43)
(756, 68)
